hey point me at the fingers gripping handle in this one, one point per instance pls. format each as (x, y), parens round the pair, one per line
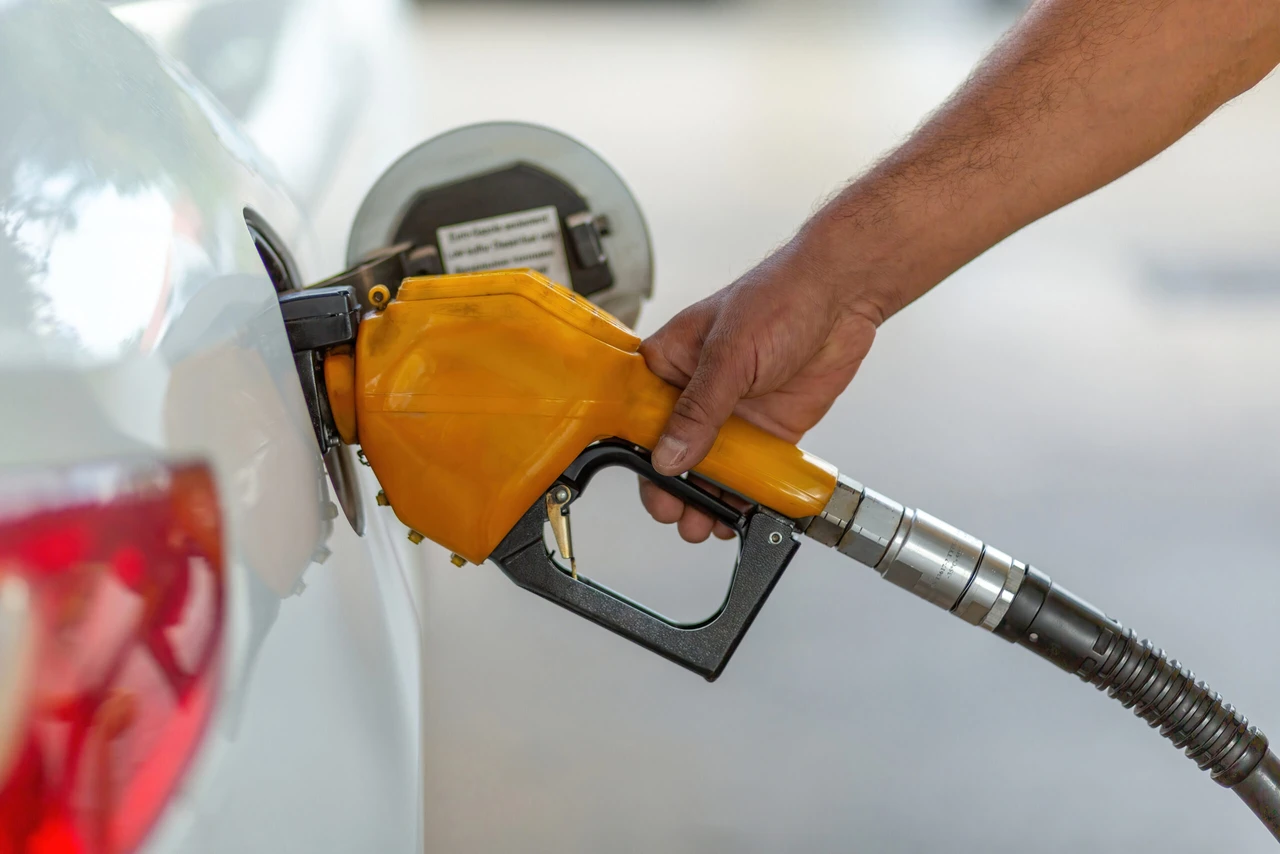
(768, 543)
(748, 460)
(614, 453)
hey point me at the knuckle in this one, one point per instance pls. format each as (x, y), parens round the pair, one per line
(692, 408)
(729, 360)
(721, 350)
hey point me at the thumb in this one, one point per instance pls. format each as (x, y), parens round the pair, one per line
(702, 408)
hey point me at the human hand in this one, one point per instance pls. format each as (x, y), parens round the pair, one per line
(776, 348)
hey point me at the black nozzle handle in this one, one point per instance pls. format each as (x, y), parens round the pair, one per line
(767, 544)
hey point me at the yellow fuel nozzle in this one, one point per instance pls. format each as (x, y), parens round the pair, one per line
(470, 394)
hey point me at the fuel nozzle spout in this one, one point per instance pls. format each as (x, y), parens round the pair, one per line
(985, 587)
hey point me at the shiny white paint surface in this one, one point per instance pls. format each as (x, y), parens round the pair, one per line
(292, 73)
(136, 318)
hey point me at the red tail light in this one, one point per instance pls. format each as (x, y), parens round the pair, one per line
(111, 599)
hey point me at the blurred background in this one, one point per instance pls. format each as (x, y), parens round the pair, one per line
(1097, 396)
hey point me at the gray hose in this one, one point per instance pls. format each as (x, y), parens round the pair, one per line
(1261, 791)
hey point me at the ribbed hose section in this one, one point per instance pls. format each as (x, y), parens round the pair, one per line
(1188, 713)
(1074, 635)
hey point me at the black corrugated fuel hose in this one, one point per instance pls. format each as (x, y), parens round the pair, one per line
(1058, 626)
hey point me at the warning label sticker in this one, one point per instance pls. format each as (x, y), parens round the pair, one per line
(525, 239)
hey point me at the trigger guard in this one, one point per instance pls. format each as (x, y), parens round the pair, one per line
(617, 453)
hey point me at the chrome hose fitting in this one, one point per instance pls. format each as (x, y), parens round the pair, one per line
(920, 553)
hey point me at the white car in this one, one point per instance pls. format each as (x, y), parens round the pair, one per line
(197, 653)
(206, 644)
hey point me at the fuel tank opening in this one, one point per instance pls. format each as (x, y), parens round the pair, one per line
(277, 261)
(306, 339)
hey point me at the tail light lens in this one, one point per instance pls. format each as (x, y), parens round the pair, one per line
(111, 603)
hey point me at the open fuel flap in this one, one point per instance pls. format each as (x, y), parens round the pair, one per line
(493, 196)
(506, 195)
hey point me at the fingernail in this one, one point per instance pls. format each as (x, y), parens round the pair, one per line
(668, 454)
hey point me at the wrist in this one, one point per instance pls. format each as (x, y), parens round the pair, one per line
(893, 234)
(860, 253)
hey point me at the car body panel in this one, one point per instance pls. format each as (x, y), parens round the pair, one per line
(138, 320)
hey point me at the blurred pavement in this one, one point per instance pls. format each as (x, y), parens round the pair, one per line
(1097, 396)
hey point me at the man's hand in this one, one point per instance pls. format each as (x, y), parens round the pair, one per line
(1078, 93)
(776, 348)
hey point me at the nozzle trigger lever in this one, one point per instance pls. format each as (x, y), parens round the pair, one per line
(558, 515)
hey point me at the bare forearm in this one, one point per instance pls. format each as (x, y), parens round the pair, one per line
(1077, 94)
